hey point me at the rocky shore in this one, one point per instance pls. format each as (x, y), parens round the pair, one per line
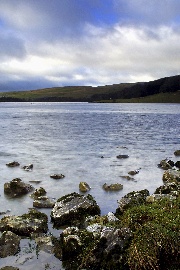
(142, 233)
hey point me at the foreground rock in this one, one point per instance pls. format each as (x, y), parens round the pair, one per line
(134, 198)
(112, 187)
(166, 164)
(9, 244)
(17, 187)
(25, 225)
(94, 247)
(45, 244)
(73, 208)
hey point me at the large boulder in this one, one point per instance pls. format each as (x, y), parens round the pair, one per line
(134, 198)
(171, 188)
(166, 164)
(9, 244)
(73, 208)
(25, 225)
(17, 187)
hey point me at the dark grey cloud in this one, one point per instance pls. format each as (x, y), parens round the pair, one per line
(11, 47)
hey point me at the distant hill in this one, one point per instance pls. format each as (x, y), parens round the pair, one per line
(162, 90)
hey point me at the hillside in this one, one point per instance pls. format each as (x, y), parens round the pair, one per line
(161, 90)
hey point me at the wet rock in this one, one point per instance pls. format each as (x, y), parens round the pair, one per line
(134, 172)
(113, 187)
(177, 153)
(171, 176)
(13, 164)
(45, 244)
(38, 193)
(134, 198)
(28, 167)
(25, 225)
(122, 156)
(17, 187)
(73, 208)
(84, 187)
(57, 176)
(166, 164)
(9, 244)
(44, 202)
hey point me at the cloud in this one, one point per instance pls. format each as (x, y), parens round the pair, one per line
(11, 47)
(148, 12)
(52, 43)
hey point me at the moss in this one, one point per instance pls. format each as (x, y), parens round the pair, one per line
(155, 244)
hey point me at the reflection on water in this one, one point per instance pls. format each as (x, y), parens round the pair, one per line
(81, 141)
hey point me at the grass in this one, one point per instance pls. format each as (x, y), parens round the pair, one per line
(156, 240)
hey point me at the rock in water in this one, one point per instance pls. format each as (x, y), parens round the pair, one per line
(84, 187)
(112, 187)
(25, 225)
(17, 187)
(13, 164)
(73, 208)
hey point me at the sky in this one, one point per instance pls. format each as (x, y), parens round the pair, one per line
(47, 43)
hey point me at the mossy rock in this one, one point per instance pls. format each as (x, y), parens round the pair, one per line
(73, 208)
(27, 224)
(132, 199)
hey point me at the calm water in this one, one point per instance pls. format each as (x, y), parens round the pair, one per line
(71, 138)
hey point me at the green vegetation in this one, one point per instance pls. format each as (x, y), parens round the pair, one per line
(165, 90)
(156, 236)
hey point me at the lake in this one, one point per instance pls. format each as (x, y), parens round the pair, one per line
(82, 141)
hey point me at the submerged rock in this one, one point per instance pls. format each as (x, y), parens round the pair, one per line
(84, 187)
(25, 225)
(57, 176)
(45, 244)
(113, 187)
(17, 187)
(122, 156)
(9, 268)
(73, 208)
(9, 244)
(13, 164)
(44, 202)
(134, 198)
